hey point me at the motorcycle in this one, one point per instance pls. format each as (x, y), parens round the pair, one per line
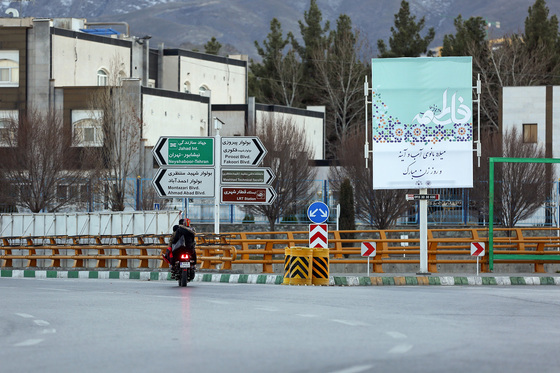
(183, 269)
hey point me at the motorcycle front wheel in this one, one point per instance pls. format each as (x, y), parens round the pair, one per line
(184, 278)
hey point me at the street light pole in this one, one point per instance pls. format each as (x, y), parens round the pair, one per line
(217, 174)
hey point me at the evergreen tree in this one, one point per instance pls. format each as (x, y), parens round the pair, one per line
(265, 77)
(213, 46)
(539, 29)
(347, 215)
(470, 36)
(314, 39)
(406, 40)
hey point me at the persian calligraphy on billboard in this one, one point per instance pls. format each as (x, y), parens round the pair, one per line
(422, 123)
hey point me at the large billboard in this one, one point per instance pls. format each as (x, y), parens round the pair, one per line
(422, 123)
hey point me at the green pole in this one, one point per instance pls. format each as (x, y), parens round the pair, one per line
(491, 214)
(491, 161)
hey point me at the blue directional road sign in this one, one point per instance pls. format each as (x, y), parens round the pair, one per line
(318, 212)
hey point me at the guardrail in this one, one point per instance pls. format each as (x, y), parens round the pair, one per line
(536, 246)
(128, 251)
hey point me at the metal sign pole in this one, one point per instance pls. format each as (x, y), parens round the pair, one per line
(423, 234)
(477, 265)
(217, 161)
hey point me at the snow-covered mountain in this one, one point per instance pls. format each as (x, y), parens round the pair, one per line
(240, 23)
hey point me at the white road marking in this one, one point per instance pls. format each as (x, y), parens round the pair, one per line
(396, 335)
(41, 322)
(305, 315)
(168, 296)
(350, 323)
(48, 331)
(25, 315)
(215, 301)
(29, 342)
(268, 309)
(55, 289)
(401, 348)
(356, 369)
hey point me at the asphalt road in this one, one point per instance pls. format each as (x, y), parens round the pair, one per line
(81, 325)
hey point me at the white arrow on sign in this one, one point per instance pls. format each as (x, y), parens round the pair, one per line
(478, 249)
(368, 248)
(322, 213)
(242, 151)
(184, 182)
(318, 236)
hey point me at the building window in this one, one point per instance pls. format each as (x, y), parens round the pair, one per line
(77, 192)
(9, 68)
(7, 127)
(102, 77)
(530, 132)
(86, 127)
(204, 91)
(187, 87)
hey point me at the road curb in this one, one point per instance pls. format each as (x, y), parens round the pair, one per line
(278, 279)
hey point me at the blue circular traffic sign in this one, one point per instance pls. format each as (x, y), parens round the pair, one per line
(318, 212)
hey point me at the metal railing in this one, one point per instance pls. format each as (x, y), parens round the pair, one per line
(536, 246)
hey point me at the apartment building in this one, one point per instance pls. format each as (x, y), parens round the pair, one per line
(59, 64)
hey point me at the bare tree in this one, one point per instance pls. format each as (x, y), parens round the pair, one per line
(520, 189)
(120, 128)
(508, 64)
(288, 157)
(380, 208)
(150, 197)
(525, 186)
(38, 161)
(290, 74)
(340, 79)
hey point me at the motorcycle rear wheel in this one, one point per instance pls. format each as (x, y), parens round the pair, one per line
(184, 278)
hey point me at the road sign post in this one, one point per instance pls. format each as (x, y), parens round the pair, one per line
(198, 173)
(368, 249)
(478, 249)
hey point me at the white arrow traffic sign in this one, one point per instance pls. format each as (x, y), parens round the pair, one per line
(248, 195)
(477, 249)
(368, 249)
(242, 151)
(184, 182)
(318, 212)
(243, 176)
(184, 151)
(318, 236)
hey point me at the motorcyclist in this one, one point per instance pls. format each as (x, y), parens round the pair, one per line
(184, 230)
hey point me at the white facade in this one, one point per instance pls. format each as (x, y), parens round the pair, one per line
(528, 105)
(540, 106)
(76, 62)
(166, 116)
(222, 79)
(312, 124)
